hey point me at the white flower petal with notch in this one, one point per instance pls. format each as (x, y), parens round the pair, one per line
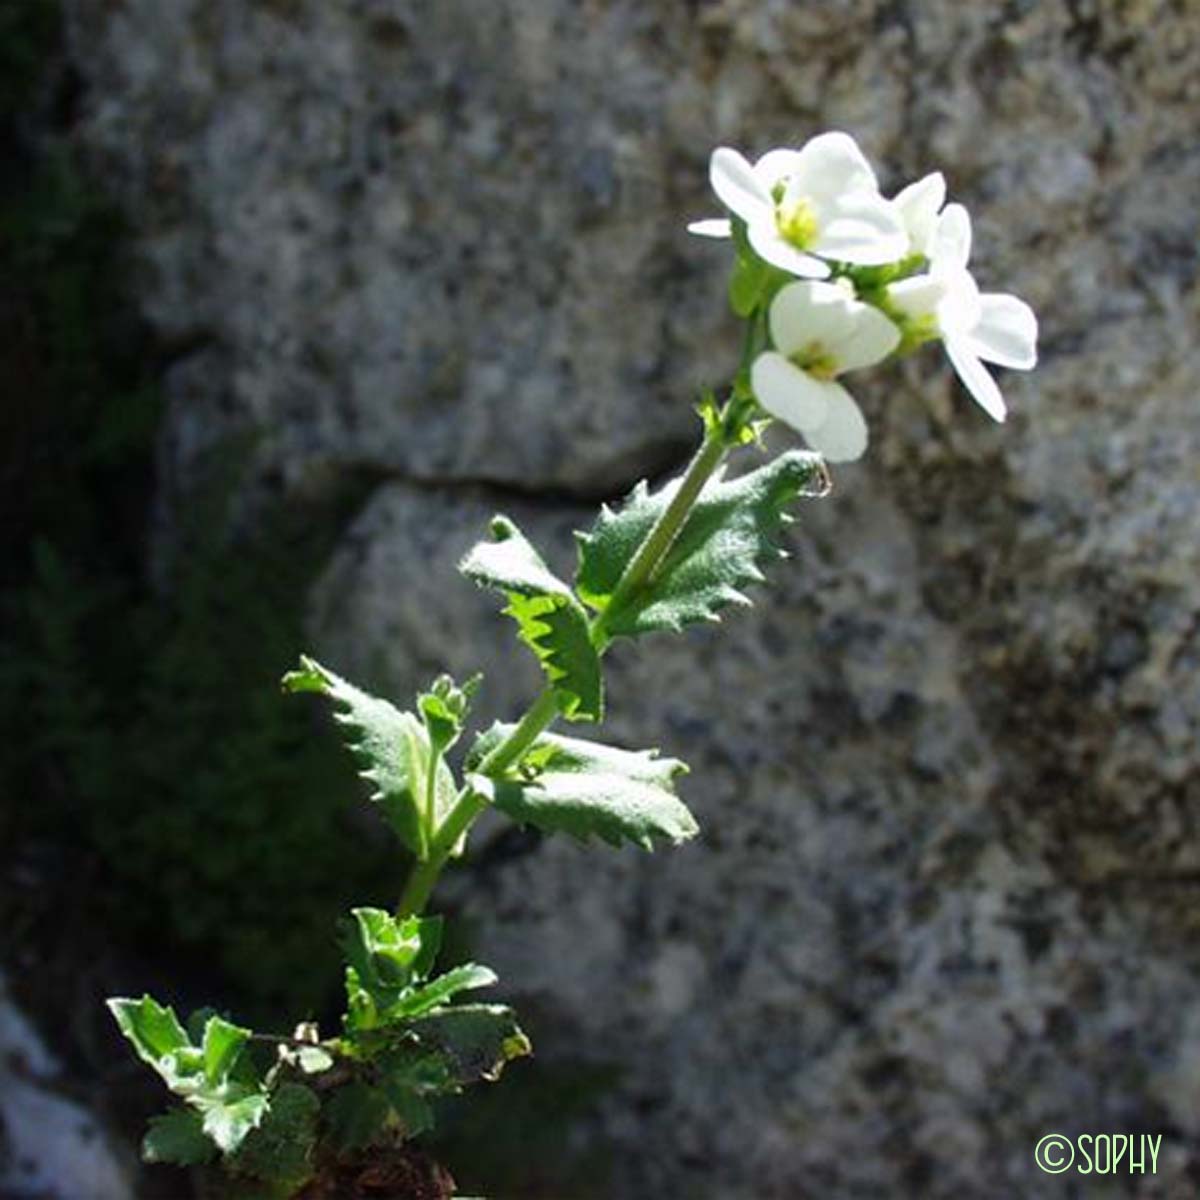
(830, 165)
(843, 435)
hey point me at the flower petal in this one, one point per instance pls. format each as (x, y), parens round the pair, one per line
(828, 166)
(917, 296)
(767, 243)
(842, 436)
(789, 394)
(734, 181)
(711, 227)
(951, 246)
(975, 378)
(959, 309)
(862, 229)
(919, 205)
(1006, 332)
(776, 165)
(809, 311)
(869, 337)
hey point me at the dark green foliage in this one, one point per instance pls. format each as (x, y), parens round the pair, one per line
(550, 620)
(392, 749)
(729, 536)
(282, 1149)
(404, 1045)
(144, 735)
(586, 789)
(178, 1137)
(212, 1076)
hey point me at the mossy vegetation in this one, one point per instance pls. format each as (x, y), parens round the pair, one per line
(146, 742)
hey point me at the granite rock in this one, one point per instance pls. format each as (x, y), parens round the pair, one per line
(947, 766)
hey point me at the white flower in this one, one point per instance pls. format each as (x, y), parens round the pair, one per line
(919, 205)
(800, 206)
(819, 331)
(975, 327)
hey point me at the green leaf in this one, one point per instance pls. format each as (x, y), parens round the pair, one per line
(746, 284)
(390, 953)
(281, 1149)
(390, 960)
(443, 988)
(203, 1075)
(392, 748)
(585, 788)
(223, 1044)
(730, 535)
(474, 1041)
(229, 1123)
(412, 1110)
(178, 1137)
(550, 620)
(152, 1028)
(444, 709)
(357, 1115)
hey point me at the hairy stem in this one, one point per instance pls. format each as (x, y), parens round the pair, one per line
(638, 572)
(659, 540)
(425, 874)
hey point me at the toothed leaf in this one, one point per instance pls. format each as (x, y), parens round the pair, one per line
(472, 1041)
(282, 1148)
(550, 620)
(228, 1123)
(730, 535)
(178, 1137)
(209, 1077)
(441, 990)
(357, 1115)
(583, 788)
(391, 747)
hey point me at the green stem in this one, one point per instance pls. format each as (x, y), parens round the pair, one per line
(665, 530)
(425, 874)
(429, 826)
(639, 571)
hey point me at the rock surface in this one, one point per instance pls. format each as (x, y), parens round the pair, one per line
(947, 767)
(51, 1147)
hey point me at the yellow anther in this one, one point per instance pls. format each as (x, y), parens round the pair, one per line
(813, 359)
(797, 223)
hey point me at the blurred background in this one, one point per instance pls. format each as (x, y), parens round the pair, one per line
(295, 295)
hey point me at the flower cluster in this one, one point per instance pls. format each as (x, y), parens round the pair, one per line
(848, 278)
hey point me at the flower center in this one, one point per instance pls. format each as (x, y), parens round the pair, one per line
(796, 222)
(813, 359)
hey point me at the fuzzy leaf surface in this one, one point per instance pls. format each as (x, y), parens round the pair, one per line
(281, 1149)
(178, 1137)
(357, 1115)
(731, 534)
(472, 1041)
(212, 1077)
(550, 619)
(584, 788)
(390, 967)
(391, 747)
